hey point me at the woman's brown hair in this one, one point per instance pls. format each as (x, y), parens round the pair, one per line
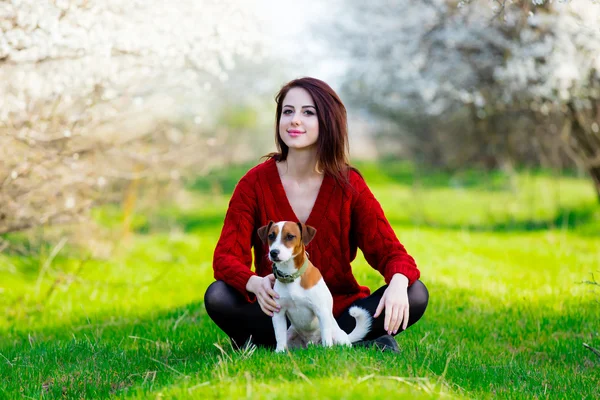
(332, 143)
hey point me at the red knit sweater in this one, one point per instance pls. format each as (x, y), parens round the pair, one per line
(343, 217)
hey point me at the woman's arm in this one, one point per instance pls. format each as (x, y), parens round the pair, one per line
(384, 252)
(376, 238)
(233, 254)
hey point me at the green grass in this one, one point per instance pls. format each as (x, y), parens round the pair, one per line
(504, 259)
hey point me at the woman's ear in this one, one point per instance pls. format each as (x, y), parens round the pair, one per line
(263, 231)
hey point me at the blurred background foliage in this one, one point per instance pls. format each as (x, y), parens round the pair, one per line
(483, 84)
(131, 115)
(125, 126)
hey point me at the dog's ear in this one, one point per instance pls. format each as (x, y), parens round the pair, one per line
(307, 232)
(263, 231)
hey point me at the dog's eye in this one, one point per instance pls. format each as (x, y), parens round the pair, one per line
(272, 235)
(290, 236)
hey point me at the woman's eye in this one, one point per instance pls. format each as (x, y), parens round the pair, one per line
(310, 112)
(286, 112)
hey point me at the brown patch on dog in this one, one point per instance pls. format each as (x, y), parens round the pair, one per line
(301, 256)
(291, 238)
(303, 234)
(295, 236)
(264, 232)
(311, 277)
(307, 231)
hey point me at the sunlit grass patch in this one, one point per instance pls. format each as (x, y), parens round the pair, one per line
(508, 314)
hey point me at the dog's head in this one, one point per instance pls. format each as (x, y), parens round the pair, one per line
(286, 239)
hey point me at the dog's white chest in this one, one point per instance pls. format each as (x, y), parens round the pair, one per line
(291, 295)
(300, 305)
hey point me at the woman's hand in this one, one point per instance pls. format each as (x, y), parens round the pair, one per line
(395, 302)
(262, 287)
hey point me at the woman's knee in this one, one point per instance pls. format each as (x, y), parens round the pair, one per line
(217, 297)
(418, 295)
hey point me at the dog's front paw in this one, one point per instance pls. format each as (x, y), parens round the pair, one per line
(280, 349)
(327, 342)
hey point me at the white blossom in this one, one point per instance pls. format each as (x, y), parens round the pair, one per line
(87, 95)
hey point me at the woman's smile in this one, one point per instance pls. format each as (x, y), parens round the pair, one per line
(295, 132)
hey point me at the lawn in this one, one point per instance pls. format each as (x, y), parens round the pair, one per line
(505, 260)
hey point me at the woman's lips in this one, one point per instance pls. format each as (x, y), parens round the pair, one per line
(295, 133)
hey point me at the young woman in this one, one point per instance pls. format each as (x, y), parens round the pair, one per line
(310, 180)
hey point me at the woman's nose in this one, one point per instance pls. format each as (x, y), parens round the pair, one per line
(296, 119)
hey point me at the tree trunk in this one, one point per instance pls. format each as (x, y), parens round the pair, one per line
(595, 173)
(584, 141)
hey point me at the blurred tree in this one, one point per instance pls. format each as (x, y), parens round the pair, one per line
(488, 83)
(89, 89)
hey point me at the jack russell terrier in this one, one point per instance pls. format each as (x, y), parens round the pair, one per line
(303, 295)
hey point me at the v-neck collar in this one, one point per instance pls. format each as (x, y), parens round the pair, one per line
(318, 210)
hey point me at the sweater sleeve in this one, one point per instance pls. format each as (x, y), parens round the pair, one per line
(376, 238)
(233, 254)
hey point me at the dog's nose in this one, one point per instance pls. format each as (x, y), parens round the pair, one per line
(274, 253)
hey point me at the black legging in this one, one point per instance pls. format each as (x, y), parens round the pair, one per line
(241, 320)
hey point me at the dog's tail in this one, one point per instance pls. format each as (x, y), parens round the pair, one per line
(363, 323)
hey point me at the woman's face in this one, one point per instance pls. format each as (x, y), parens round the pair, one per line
(299, 125)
